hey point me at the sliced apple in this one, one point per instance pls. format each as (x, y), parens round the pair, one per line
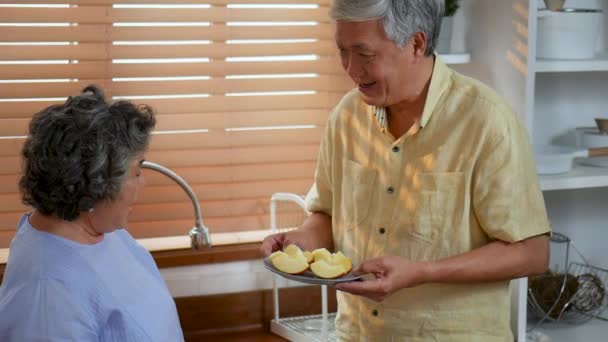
(292, 250)
(308, 256)
(339, 258)
(326, 270)
(292, 264)
(296, 252)
(276, 254)
(320, 254)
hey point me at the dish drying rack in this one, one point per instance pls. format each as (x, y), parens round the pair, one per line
(320, 327)
(574, 295)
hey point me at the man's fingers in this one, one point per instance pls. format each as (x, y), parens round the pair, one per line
(272, 243)
(366, 287)
(370, 266)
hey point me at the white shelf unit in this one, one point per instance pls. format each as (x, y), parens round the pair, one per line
(600, 63)
(581, 177)
(592, 331)
(456, 58)
(553, 97)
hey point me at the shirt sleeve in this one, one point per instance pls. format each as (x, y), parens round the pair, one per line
(45, 310)
(507, 199)
(320, 195)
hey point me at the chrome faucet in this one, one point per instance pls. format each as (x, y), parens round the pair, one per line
(199, 234)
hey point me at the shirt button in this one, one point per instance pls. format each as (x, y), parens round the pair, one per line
(396, 149)
(375, 313)
(390, 189)
(381, 230)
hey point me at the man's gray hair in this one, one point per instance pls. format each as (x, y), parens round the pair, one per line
(400, 18)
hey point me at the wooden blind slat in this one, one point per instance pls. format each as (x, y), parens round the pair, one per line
(105, 51)
(212, 2)
(97, 70)
(184, 210)
(106, 15)
(207, 174)
(205, 192)
(212, 104)
(241, 119)
(209, 140)
(104, 33)
(211, 86)
(166, 227)
(252, 155)
(19, 127)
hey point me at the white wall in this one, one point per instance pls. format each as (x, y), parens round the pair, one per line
(230, 277)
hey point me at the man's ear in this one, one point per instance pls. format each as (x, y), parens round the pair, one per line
(419, 43)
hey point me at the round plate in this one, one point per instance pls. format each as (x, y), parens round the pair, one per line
(310, 278)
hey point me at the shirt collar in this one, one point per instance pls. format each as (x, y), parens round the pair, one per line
(440, 81)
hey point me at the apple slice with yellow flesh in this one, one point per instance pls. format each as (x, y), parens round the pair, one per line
(275, 255)
(320, 254)
(292, 250)
(295, 252)
(308, 256)
(331, 265)
(292, 264)
(324, 269)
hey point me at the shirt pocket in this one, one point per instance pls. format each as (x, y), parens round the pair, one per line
(357, 188)
(438, 200)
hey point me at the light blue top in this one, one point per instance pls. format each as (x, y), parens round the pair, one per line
(59, 290)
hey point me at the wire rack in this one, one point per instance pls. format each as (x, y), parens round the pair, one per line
(574, 296)
(288, 211)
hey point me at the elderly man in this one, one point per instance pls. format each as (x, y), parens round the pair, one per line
(425, 178)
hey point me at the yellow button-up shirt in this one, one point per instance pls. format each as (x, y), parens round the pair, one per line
(460, 178)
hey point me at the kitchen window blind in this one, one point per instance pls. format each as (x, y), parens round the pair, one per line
(242, 91)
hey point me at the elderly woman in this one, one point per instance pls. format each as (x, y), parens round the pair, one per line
(74, 273)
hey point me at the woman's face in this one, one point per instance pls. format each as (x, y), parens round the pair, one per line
(111, 215)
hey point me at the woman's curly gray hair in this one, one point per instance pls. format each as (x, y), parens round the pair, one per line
(79, 152)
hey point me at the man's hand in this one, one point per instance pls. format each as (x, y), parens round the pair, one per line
(314, 233)
(277, 242)
(272, 243)
(392, 274)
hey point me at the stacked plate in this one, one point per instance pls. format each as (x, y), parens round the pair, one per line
(590, 137)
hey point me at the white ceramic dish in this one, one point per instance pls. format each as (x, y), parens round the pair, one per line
(310, 278)
(590, 137)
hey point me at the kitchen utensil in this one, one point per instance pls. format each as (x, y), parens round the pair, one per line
(555, 5)
(555, 159)
(568, 33)
(602, 125)
(310, 278)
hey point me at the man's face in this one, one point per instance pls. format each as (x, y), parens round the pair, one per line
(374, 62)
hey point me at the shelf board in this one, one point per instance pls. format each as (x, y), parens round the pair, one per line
(600, 63)
(455, 58)
(579, 178)
(594, 330)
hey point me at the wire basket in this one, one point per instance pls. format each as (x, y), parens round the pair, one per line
(574, 296)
